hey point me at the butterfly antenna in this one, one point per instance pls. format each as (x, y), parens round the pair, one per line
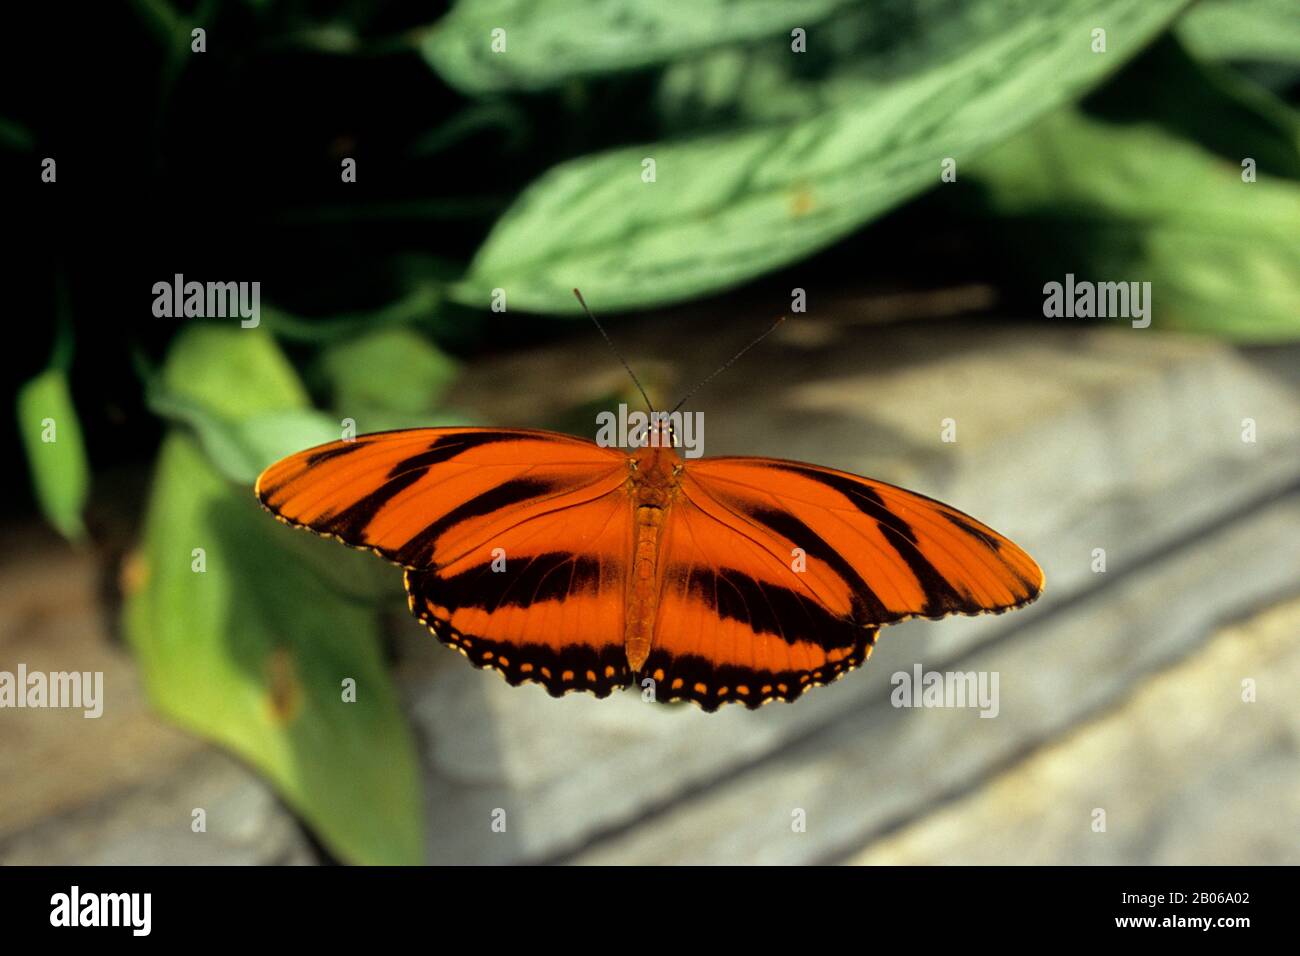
(610, 343)
(727, 364)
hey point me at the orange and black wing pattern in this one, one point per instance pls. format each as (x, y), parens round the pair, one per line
(736, 623)
(777, 576)
(516, 542)
(770, 576)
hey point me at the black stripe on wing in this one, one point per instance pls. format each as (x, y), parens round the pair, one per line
(572, 667)
(350, 523)
(522, 581)
(449, 447)
(867, 608)
(695, 678)
(940, 596)
(419, 549)
(766, 607)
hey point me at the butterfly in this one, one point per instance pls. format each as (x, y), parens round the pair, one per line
(552, 559)
(555, 560)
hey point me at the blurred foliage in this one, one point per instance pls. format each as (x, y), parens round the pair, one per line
(538, 45)
(525, 171)
(1105, 192)
(242, 640)
(51, 434)
(56, 452)
(243, 429)
(415, 377)
(724, 208)
(1243, 30)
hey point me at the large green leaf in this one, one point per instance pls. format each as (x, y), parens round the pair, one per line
(56, 452)
(727, 207)
(547, 43)
(1112, 199)
(253, 649)
(857, 53)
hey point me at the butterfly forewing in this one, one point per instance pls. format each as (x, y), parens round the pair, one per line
(889, 554)
(420, 496)
(517, 543)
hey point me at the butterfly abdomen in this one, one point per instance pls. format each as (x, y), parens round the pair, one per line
(653, 485)
(643, 600)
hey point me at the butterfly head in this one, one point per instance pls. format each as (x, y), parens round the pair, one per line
(661, 433)
(657, 458)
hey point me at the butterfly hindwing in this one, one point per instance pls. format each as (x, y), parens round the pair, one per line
(736, 624)
(541, 601)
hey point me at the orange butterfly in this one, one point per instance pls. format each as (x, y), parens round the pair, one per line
(551, 559)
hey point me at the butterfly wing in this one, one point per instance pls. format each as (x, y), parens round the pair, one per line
(777, 576)
(516, 542)
(734, 623)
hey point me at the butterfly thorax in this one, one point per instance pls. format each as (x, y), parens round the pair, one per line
(652, 485)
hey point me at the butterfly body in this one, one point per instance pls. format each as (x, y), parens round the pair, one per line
(553, 560)
(653, 485)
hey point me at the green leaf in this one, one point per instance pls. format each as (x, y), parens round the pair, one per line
(242, 449)
(234, 372)
(252, 652)
(727, 207)
(393, 370)
(859, 51)
(56, 452)
(1116, 200)
(1265, 30)
(241, 396)
(242, 435)
(548, 43)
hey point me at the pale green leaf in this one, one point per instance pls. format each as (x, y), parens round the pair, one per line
(727, 207)
(1243, 30)
(252, 649)
(242, 449)
(233, 371)
(1123, 201)
(547, 43)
